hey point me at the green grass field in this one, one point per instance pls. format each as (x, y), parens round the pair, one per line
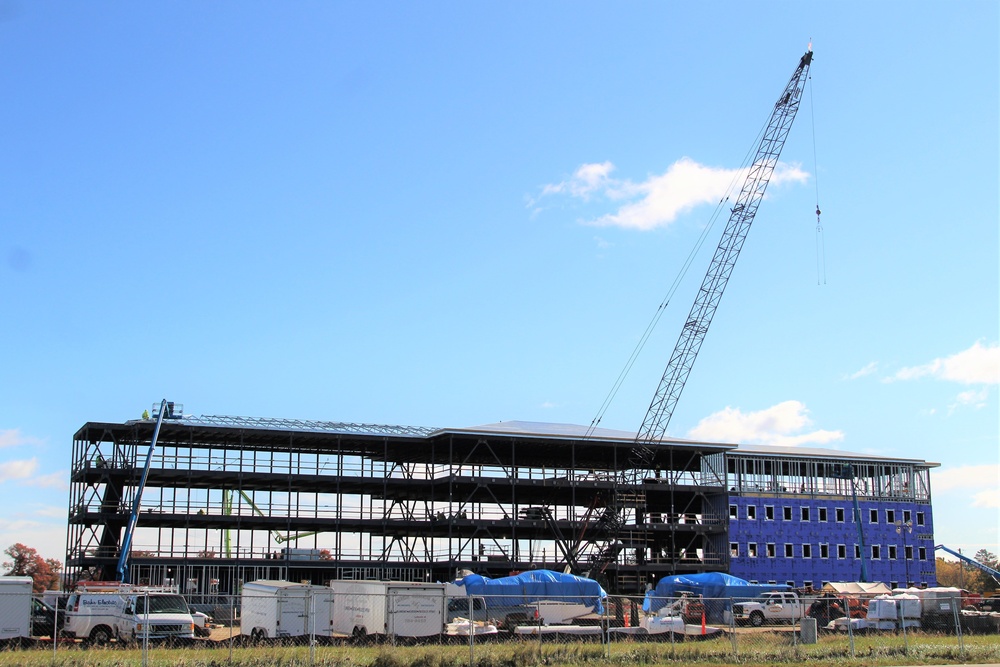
(763, 649)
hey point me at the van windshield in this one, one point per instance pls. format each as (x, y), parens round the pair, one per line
(161, 604)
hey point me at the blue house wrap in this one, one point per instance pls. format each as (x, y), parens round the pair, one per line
(717, 589)
(535, 585)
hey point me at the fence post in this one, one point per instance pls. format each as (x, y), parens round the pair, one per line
(538, 627)
(902, 625)
(232, 624)
(606, 631)
(145, 632)
(390, 605)
(673, 648)
(732, 631)
(850, 624)
(796, 630)
(958, 626)
(472, 631)
(312, 627)
(55, 630)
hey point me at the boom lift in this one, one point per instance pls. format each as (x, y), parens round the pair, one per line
(654, 425)
(133, 518)
(227, 510)
(971, 561)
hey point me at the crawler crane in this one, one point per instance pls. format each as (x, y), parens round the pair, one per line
(628, 494)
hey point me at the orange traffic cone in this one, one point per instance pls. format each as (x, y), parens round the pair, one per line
(703, 630)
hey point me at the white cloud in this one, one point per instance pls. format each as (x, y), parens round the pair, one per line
(49, 539)
(13, 438)
(52, 512)
(16, 525)
(967, 478)
(586, 180)
(990, 498)
(977, 365)
(973, 397)
(22, 469)
(780, 424)
(865, 371)
(55, 480)
(980, 482)
(657, 201)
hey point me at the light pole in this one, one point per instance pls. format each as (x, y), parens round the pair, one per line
(908, 527)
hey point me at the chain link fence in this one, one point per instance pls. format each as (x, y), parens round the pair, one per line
(327, 623)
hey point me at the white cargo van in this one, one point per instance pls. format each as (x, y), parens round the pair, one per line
(92, 612)
(271, 609)
(15, 607)
(98, 612)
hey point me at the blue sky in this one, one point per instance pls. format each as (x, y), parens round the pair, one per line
(451, 214)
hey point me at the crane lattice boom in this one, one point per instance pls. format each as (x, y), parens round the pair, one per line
(654, 426)
(628, 494)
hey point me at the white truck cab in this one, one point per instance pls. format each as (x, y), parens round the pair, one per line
(155, 615)
(778, 607)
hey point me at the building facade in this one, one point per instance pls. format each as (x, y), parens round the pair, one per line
(229, 500)
(793, 517)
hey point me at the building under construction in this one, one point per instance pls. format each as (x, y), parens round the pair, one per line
(228, 500)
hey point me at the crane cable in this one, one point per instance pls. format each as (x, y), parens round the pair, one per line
(820, 244)
(595, 422)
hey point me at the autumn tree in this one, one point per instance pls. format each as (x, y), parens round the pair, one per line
(949, 573)
(983, 580)
(25, 561)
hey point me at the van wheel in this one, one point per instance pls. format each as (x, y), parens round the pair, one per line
(100, 636)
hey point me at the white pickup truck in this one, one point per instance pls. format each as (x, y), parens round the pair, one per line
(773, 608)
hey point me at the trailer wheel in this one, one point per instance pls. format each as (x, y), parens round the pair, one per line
(360, 634)
(756, 619)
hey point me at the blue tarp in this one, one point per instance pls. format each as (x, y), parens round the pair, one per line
(533, 586)
(717, 588)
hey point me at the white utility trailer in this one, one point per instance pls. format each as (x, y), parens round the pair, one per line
(394, 608)
(270, 609)
(15, 607)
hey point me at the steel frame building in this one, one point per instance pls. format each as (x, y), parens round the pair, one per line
(229, 500)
